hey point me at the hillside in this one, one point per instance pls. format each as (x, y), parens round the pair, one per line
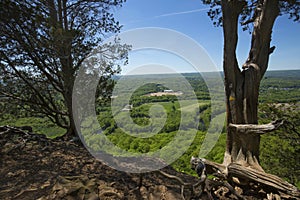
(34, 167)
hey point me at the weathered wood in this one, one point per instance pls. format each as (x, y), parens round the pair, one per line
(241, 159)
(257, 129)
(213, 167)
(232, 73)
(268, 182)
(174, 177)
(242, 86)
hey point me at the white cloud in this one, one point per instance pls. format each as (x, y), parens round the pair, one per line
(169, 15)
(182, 13)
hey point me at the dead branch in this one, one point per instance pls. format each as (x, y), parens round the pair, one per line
(232, 190)
(215, 169)
(269, 181)
(174, 177)
(249, 21)
(26, 132)
(182, 183)
(257, 129)
(271, 50)
(6, 129)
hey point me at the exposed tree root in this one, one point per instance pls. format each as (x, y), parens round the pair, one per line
(208, 187)
(181, 182)
(247, 177)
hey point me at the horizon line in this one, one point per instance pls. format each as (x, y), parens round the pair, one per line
(195, 72)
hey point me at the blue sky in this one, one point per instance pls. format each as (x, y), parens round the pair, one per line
(190, 18)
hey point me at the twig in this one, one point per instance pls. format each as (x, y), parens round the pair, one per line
(232, 190)
(174, 177)
(9, 128)
(182, 183)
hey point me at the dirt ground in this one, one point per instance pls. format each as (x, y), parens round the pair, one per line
(34, 167)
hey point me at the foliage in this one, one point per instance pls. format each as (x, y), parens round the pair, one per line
(280, 87)
(217, 153)
(290, 8)
(284, 155)
(280, 151)
(242, 82)
(40, 125)
(43, 44)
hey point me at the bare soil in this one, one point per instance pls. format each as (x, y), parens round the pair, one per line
(35, 167)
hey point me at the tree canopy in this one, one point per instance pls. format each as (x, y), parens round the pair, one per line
(43, 44)
(247, 15)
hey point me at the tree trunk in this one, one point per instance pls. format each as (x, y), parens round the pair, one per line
(63, 47)
(71, 131)
(241, 159)
(242, 87)
(68, 79)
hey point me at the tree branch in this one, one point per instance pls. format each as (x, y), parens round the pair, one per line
(249, 21)
(264, 17)
(182, 183)
(174, 177)
(257, 129)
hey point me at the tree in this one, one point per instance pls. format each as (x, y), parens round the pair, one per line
(43, 44)
(242, 85)
(241, 157)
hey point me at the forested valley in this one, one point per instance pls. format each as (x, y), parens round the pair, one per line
(75, 125)
(279, 99)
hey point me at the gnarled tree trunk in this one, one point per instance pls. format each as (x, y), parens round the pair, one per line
(241, 160)
(242, 85)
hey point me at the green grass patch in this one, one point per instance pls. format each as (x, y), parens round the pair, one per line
(40, 125)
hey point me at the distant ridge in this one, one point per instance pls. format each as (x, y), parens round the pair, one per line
(283, 73)
(294, 73)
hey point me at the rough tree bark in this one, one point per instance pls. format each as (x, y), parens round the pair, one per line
(241, 159)
(63, 47)
(242, 86)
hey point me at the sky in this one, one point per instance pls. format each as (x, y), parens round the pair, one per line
(189, 17)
